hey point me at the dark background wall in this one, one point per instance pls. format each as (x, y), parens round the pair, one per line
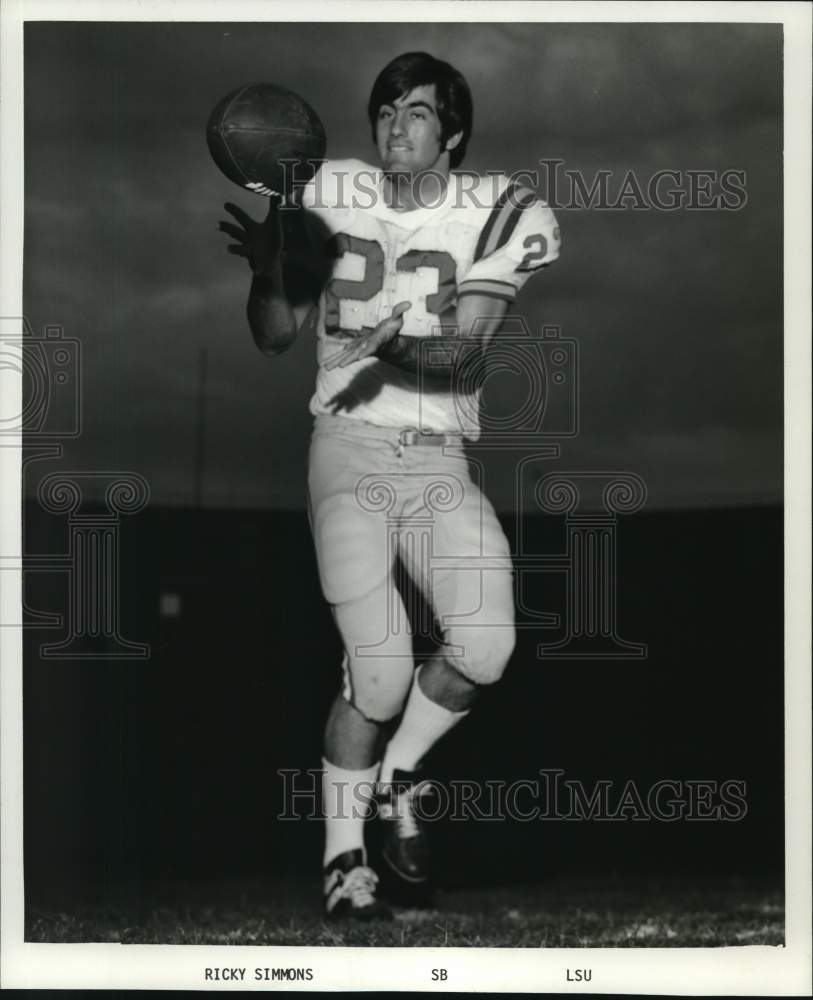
(169, 768)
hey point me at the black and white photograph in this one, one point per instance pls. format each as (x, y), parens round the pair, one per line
(405, 528)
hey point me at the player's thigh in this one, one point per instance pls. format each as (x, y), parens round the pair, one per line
(468, 578)
(353, 549)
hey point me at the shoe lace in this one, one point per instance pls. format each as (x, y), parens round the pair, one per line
(359, 886)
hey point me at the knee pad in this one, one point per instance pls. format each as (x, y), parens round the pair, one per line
(378, 708)
(377, 690)
(486, 652)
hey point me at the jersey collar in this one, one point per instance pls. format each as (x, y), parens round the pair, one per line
(419, 216)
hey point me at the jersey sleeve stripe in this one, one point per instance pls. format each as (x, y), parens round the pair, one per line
(510, 224)
(507, 222)
(500, 204)
(492, 289)
(503, 219)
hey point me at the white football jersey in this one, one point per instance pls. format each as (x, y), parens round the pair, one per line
(487, 236)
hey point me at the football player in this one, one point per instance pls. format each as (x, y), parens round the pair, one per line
(410, 251)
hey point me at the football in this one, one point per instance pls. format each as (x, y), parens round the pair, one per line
(264, 137)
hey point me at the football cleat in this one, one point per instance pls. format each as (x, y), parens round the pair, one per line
(350, 889)
(404, 845)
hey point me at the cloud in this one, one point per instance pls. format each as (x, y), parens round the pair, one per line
(677, 315)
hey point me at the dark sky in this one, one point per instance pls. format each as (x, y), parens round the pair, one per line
(677, 314)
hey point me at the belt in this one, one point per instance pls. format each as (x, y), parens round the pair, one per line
(400, 437)
(410, 436)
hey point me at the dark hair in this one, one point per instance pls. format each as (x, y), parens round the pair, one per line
(419, 69)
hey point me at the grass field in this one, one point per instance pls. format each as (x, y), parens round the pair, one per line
(602, 912)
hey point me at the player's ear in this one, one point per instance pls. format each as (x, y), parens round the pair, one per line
(453, 141)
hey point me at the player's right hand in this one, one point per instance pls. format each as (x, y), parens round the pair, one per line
(259, 242)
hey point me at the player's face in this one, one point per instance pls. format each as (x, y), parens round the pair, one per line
(408, 132)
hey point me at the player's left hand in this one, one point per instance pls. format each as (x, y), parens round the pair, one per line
(369, 343)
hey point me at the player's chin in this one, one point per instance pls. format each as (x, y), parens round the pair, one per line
(395, 163)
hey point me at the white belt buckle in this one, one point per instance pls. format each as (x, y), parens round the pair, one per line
(408, 436)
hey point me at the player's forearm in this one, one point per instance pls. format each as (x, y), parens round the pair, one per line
(446, 354)
(270, 315)
(475, 321)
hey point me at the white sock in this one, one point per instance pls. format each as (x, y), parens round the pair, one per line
(345, 801)
(422, 725)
